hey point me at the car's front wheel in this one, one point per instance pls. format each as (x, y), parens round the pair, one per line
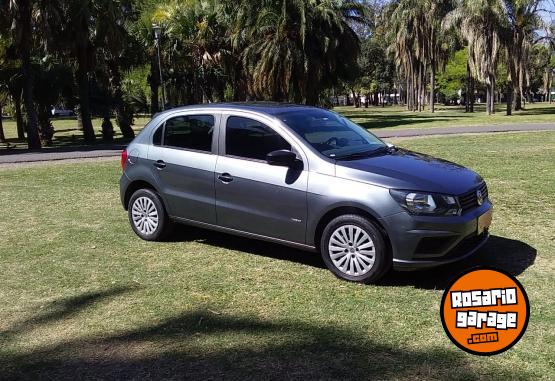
(354, 249)
(148, 216)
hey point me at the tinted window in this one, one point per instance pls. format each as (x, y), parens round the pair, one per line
(251, 139)
(191, 132)
(157, 137)
(331, 134)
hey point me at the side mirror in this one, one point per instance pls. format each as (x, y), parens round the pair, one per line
(282, 157)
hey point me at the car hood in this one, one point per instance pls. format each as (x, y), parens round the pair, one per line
(403, 169)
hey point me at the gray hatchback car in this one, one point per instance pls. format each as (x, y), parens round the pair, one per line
(304, 177)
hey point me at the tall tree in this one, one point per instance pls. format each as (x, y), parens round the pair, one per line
(480, 23)
(297, 48)
(112, 40)
(21, 11)
(523, 19)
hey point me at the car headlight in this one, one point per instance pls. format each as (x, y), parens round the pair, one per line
(423, 203)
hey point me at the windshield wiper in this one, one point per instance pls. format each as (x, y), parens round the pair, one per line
(363, 154)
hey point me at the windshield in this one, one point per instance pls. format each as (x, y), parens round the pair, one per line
(331, 134)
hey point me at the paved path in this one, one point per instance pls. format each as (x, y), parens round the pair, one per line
(53, 154)
(463, 130)
(23, 156)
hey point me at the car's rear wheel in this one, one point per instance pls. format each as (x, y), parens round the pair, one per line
(148, 216)
(354, 249)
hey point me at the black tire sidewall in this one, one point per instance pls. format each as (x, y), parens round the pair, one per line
(163, 223)
(382, 260)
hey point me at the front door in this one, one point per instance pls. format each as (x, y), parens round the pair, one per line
(253, 196)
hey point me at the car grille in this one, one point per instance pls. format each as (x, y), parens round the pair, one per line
(468, 201)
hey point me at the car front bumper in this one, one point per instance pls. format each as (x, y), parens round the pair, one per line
(419, 242)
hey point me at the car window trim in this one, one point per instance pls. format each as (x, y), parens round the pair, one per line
(162, 125)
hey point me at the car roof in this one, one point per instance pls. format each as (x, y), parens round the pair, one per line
(269, 108)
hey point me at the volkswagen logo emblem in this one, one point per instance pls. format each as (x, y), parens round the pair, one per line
(479, 197)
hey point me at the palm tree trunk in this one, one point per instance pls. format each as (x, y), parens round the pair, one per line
(83, 85)
(407, 93)
(509, 94)
(467, 101)
(19, 117)
(493, 93)
(124, 116)
(419, 88)
(489, 95)
(472, 95)
(33, 140)
(549, 84)
(2, 136)
(432, 87)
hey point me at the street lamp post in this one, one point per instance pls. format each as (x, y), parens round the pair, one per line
(157, 34)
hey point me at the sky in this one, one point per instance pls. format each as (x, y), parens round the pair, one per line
(549, 10)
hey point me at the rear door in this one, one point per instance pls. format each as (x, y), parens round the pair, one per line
(183, 159)
(251, 195)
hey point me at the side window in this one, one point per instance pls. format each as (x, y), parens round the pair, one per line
(191, 132)
(157, 137)
(251, 139)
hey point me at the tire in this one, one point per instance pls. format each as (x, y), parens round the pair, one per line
(147, 216)
(364, 258)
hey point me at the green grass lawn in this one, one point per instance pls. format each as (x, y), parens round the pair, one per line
(66, 133)
(83, 297)
(445, 116)
(374, 118)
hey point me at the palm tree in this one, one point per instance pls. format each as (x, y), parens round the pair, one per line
(419, 44)
(523, 19)
(481, 23)
(408, 45)
(198, 43)
(438, 40)
(21, 11)
(295, 48)
(111, 40)
(141, 31)
(66, 27)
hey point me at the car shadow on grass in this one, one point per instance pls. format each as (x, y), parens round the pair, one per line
(506, 254)
(200, 345)
(185, 233)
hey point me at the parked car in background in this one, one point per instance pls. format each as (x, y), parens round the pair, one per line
(304, 177)
(61, 111)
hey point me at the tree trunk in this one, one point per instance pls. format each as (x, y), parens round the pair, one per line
(432, 87)
(19, 117)
(83, 85)
(472, 95)
(549, 84)
(489, 96)
(467, 101)
(2, 136)
(509, 95)
(492, 80)
(407, 92)
(419, 88)
(33, 140)
(46, 130)
(124, 115)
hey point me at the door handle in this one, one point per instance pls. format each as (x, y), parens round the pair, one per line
(160, 164)
(225, 178)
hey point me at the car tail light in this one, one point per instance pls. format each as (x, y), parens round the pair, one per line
(123, 159)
